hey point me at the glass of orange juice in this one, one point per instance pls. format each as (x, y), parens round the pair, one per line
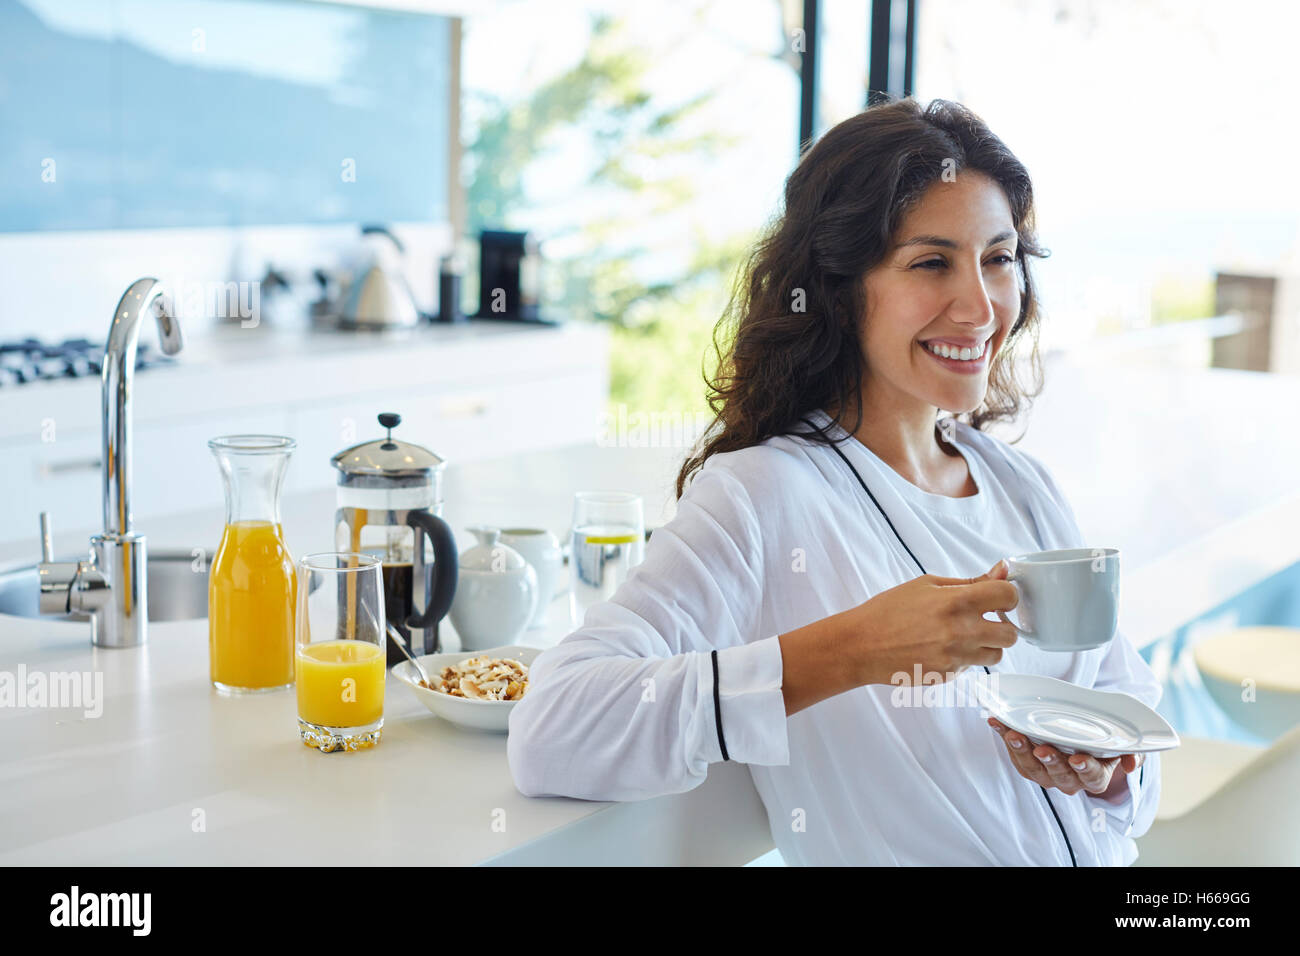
(340, 650)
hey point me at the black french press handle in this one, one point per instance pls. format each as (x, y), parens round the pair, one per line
(445, 565)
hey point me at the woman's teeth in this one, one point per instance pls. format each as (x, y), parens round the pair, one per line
(947, 351)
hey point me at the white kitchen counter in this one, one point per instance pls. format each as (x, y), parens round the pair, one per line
(128, 787)
(125, 787)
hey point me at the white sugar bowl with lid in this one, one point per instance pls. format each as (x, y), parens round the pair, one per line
(496, 593)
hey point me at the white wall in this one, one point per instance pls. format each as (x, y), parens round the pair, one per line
(64, 284)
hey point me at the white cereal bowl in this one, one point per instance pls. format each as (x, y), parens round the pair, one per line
(491, 715)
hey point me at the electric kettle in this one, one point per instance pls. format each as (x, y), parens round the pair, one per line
(381, 297)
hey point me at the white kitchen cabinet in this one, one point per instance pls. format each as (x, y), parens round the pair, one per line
(175, 470)
(172, 470)
(460, 424)
(467, 393)
(61, 477)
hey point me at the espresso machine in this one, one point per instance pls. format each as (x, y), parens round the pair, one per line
(510, 277)
(390, 506)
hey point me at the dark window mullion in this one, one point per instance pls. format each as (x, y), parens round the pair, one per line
(884, 28)
(808, 79)
(909, 61)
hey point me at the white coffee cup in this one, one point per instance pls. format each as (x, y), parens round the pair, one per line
(1069, 599)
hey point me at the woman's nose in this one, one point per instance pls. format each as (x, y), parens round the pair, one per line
(971, 303)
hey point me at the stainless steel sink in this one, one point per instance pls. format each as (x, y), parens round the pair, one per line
(177, 592)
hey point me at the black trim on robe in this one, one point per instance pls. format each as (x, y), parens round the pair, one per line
(717, 708)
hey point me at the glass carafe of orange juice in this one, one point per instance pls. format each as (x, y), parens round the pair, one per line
(252, 588)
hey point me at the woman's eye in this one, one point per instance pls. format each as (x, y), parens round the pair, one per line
(933, 264)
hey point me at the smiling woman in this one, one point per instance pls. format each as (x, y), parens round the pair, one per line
(775, 614)
(938, 308)
(855, 247)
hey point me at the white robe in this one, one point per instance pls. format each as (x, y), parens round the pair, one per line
(768, 539)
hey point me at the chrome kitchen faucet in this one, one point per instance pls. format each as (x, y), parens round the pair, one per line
(112, 586)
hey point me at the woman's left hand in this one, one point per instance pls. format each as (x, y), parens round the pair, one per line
(1069, 773)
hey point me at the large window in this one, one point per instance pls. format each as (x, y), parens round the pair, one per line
(646, 145)
(1159, 136)
(843, 37)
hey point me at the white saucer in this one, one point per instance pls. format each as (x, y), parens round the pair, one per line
(1073, 718)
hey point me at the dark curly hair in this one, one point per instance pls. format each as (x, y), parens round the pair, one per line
(843, 204)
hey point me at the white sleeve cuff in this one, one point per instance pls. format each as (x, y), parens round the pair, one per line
(1125, 811)
(750, 704)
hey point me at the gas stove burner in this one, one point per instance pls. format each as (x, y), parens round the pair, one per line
(31, 360)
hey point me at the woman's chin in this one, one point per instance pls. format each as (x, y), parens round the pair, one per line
(960, 405)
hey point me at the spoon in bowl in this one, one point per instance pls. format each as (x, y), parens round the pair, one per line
(396, 635)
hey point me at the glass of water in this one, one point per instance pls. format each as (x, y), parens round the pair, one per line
(608, 542)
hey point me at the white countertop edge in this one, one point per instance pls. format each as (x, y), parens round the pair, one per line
(722, 822)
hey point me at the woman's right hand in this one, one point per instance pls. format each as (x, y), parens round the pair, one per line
(935, 622)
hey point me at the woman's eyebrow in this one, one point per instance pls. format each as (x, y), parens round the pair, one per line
(949, 243)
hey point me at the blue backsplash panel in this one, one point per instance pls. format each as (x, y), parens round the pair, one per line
(130, 114)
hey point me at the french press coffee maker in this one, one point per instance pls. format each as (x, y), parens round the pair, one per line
(390, 505)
